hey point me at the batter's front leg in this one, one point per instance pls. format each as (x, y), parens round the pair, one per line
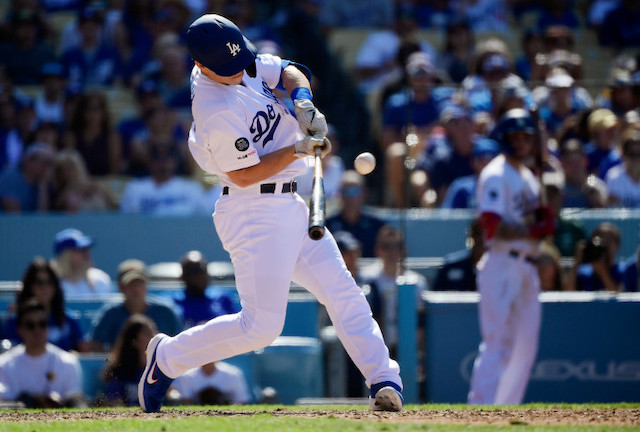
(321, 270)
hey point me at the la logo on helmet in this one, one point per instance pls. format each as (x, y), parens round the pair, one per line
(234, 49)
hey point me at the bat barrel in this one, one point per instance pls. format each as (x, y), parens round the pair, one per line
(317, 201)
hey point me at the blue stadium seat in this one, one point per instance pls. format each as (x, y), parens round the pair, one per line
(293, 367)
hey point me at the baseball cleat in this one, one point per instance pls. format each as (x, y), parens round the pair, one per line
(386, 396)
(153, 384)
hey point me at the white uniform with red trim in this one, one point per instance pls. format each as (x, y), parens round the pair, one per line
(266, 234)
(508, 282)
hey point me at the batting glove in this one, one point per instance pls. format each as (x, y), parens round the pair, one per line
(310, 119)
(307, 146)
(545, 224)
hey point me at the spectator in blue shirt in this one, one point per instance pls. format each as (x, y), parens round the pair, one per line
(416, 107)
(132, 282)
(352, 218)
(450, 158)
(601, 150)
(558, 12)
(197, 305)
(26, 188)
(93, 63)
(462, 191)
(41, 282)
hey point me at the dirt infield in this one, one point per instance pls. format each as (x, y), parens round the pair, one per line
(524, 416)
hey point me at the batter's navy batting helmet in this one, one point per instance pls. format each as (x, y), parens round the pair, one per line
(219, 45)
(514, 120)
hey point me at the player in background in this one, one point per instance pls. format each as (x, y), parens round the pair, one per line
(246, 136)
(513, 223)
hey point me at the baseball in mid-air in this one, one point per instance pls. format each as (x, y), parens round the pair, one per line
(364, 163)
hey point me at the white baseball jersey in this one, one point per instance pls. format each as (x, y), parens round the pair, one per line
(55, 370)
(509, 311)
(508, 192)
(234, 125)
(623, 187)
(266, 234)
(227, 379)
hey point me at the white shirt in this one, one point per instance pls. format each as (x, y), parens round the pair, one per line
(55, 370)
(508, 192)
(234, 125)
(623, 187)
(100, 285)
(227, 379)
(176, 197)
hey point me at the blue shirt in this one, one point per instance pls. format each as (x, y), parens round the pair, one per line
(587, 280)
(365, 230)
(109, 320)
(100, 68)
(401, 110)
(596, 156)
(14, 186)
(66, 336)
(199, 309)
(461, 193)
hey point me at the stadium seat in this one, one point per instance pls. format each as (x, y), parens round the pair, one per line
(293, 367)
(92, 366)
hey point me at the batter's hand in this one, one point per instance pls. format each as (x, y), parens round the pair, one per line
(545, 223)
(310, 119)
(307, 145)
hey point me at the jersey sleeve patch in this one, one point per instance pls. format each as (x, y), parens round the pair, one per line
(242, 144)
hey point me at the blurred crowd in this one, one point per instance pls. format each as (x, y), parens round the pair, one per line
(95, 97)
(42, 329)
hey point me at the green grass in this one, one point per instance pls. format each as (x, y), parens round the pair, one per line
(274, 419)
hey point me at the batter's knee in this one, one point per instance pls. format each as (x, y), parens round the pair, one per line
(262, 329)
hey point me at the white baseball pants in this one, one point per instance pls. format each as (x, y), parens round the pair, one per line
(509, 314)
(266, 237)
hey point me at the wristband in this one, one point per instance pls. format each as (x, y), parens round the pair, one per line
(301, 93)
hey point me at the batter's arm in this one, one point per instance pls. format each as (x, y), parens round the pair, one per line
(293, 78)
(270, 164)
(494, 226)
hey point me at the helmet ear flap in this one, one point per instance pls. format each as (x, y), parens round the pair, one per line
(251, 70)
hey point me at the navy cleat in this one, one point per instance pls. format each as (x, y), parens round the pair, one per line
(386, 396)
(153, 384)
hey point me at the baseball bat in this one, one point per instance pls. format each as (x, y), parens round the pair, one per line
(317, 201)
(540, 148)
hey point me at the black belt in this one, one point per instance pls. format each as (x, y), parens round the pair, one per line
(513, 253)
(269, 188)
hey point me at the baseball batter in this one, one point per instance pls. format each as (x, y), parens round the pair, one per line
(507, 280)
(242, 133)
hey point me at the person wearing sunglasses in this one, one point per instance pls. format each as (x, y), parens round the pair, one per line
(352, 216)
(37, 373)
(41, 282)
